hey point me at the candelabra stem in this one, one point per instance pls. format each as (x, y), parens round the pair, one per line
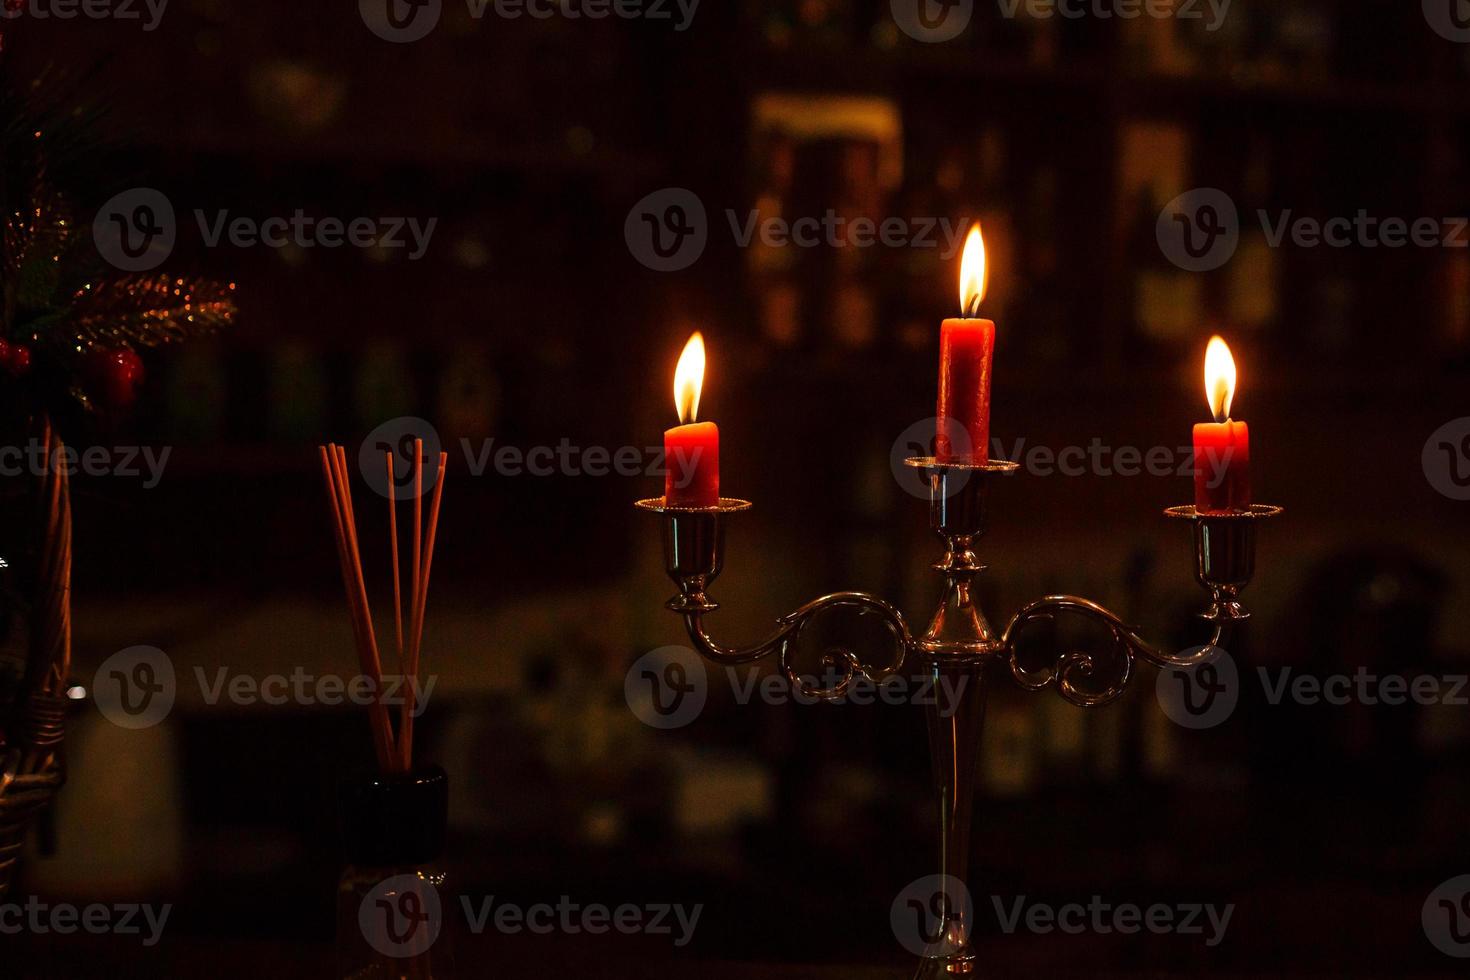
(956, 715)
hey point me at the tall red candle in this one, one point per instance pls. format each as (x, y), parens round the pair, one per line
(966, 355)
(692, 449)
(1222, 449)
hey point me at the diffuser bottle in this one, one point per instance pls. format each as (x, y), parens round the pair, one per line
(393, 910)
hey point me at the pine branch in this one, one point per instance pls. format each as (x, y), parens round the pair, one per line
(148, 310)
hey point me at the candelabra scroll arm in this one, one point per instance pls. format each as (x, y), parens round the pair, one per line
(1071, 666)
(788, 631)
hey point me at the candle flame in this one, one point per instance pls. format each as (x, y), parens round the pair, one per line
(974, 273)
(689, 379)
(1219, 378)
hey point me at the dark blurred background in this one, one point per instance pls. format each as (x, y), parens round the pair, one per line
(529, 320)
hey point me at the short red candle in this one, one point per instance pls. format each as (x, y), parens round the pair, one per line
(1222, 467)
(692, 459)
(691, 450)
(966, 353)
(1222, 449)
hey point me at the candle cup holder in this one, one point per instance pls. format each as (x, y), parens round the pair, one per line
(960, 648)
(694, 548)
(1224, 555)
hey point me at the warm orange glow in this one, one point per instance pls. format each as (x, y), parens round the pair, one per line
(1219, 378)
(689, 379)
(974, 274)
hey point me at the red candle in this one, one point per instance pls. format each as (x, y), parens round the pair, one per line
(692, 449)
(1222, 449)
(966, 353)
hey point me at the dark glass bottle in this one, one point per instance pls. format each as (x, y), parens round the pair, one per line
(393, 910)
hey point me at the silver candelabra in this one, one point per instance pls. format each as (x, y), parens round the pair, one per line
(960, 647)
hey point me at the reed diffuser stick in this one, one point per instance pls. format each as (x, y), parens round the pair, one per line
(395, 754)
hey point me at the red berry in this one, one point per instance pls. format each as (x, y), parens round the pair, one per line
(117, 375)
(15, 358)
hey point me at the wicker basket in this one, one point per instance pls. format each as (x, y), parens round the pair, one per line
(22, 798)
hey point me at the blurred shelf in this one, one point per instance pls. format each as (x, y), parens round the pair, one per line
(549, 159)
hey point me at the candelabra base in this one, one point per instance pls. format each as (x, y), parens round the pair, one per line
(944, 967)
